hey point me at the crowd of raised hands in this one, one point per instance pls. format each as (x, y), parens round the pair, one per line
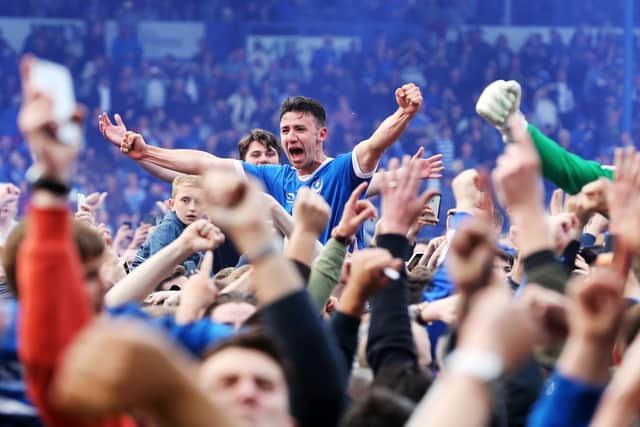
(534, 326)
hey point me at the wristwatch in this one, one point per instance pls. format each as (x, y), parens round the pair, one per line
(39, 181)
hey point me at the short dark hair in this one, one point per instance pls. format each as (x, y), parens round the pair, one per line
(407, 379)
(257, 339)
(379, 407)
(264, 137)
(89, 242)
(303, 104)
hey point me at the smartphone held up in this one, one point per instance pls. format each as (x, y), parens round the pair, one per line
(54, 80)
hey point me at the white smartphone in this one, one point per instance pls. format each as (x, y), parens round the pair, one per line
(434, 204)
(81, 199)
(55, 81)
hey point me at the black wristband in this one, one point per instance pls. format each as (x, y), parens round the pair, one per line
(49, 184)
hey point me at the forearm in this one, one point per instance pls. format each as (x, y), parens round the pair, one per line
(345, 328)
(534, 234)
(441, 405)
(585, 361)
(301, 246)
(390, 338)
(188, 311)
(192, 162)
(319, 386)
(325, 273)
(370, 151)
(616, 409)
(567, 170)
(275, 278)
(141, 282)
(159, 172)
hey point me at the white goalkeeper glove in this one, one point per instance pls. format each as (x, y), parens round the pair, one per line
(498, 102)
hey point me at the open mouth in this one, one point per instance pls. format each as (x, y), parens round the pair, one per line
(295, 153)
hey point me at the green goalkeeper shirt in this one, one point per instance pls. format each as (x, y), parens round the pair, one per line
(566, 170)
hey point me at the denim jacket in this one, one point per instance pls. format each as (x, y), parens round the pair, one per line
(169, 229)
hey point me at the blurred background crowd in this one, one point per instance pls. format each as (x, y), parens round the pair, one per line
(572, 78)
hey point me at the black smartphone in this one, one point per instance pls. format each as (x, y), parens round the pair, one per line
(415, 259)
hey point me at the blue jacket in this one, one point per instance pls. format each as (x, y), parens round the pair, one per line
(169, 229)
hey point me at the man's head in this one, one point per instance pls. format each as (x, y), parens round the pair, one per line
(380, 407)
(302, 132)
(90, 246)
(260, 148)
(186, 198)
(247, 375)
(233, 309)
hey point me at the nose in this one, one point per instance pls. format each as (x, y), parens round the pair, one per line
(246, 391)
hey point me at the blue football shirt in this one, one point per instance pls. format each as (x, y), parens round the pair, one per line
(334, 180)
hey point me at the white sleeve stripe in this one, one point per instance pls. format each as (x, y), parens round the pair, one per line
(356, 166)
(237, 164)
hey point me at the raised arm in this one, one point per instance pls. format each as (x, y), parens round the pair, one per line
(159, 161)
(54, 304)
(318, 394)
(326, 270)
(500, 101)
(199, 236)
(310, 215)
(369, 151)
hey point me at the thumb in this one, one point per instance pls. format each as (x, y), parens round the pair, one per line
(207, 263)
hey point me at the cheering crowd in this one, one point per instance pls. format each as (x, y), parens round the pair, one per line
(187, 266)
(210, 101)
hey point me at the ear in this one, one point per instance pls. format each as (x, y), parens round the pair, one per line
(323, 134)
(170, 203)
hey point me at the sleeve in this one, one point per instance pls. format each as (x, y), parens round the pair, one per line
(195, 337)
(162, 236)
(53, 307)
(325, 273)
(566, 170)
(390, 338)
(318, 391)
(356, 167)
(565, 402)
(345, 329)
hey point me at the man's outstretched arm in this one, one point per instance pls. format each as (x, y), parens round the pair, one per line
(160, 162)
(501, 100)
